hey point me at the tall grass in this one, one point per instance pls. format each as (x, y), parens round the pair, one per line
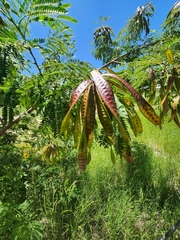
(133, 201)
(122, 201)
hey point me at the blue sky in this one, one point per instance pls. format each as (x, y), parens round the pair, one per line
(88, 12)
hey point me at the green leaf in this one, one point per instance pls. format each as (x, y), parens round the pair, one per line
(84, 103)
(113, 155)
(135, 121)
(104, 118)
(74, 98)
(66, 123)
(77, 128)
(168, 88)
(169, 56)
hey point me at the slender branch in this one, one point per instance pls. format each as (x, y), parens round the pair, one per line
(24, 38)
(5, 128)
(35, 62)
(127, 53)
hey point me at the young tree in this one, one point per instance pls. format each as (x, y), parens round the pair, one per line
(115, 98)
(109, 91)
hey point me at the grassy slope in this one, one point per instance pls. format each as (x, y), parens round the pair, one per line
(134, 201)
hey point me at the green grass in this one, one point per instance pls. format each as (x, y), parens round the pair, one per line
(122, 201)
(133, 201)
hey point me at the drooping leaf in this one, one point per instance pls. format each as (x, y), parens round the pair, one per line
(77, 128)
(168, 88)
(173, 114)
(174, 105)
(82, 149)
(88, 157)
(165, 107)
(152, 91)
(105, 91)
(78, 91)
(176, 80)
(104, 118)
(84, 103)
(127, 153)
(74, 98)
(113, 155)
(90, 114)
(135, 121)
(176, 120)
(66, 123)
(115, 82)
(169, 56)
(175, 102)
(143, 105)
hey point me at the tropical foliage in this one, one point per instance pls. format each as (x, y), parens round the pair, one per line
(49, 99)
(108, 92)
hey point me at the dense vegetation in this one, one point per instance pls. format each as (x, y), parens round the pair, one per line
(43, 193)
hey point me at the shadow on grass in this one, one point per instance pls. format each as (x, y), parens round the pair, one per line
(150, 176)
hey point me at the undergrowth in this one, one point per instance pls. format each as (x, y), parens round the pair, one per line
(54, 200)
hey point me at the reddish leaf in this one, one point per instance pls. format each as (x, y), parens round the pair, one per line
(84, 103)
(135, 122)
(75, 96)
(105, 91)
(82, 150)
(78, 91)
(90, 115)
(104, 117)
(165, 107)
(127, 154)
(143, 105)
